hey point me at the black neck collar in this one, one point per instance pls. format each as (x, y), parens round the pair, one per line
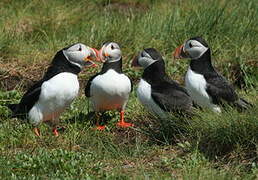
(154, 73)
(116, 66)
(203, 64)
(60, 64)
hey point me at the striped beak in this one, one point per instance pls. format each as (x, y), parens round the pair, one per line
(102, 55)
(94, 56)
(179, 53)
(135, 62)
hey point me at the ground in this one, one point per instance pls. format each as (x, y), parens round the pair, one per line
(208, 146)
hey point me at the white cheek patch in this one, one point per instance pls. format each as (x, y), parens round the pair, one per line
(197, 52)
(145, 62)
(114, 54)
(197, 49)
(64, 52)
(74, 58)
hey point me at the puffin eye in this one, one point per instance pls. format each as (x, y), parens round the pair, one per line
(190, 45)
(80, 48)
(112, 47)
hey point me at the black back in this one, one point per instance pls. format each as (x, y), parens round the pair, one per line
(116, 66)
(168, 94)
(217, 86)
(58, 65)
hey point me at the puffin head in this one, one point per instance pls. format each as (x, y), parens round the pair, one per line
(110, 52)
(81, 55)
(193, 48)
(147, 57)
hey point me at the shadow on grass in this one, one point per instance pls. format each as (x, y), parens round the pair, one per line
(228, 138)
(164, 131)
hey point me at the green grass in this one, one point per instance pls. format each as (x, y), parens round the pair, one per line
(208, 146)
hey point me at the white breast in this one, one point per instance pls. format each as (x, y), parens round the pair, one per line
(196, 87)
(110, 91)
(56, 94)
(144, 96)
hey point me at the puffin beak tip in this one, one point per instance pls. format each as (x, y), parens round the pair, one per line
(101, 56)
(135, 62)
(96, 54)
(178, 51)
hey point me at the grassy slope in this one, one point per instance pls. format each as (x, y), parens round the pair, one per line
(210, 146)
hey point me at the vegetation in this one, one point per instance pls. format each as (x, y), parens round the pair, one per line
(209, 146)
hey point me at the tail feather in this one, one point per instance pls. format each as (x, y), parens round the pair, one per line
(17, 111)
(242, 104)
(13, 108)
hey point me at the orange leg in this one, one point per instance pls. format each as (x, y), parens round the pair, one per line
(55, 132)
(99, 127)
(36, 131)
(122, 123)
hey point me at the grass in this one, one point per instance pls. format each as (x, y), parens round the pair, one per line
(209, 146)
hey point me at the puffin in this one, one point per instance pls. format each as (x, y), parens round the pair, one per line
(156, 90)
(204, 84)
(50, 96)
(110, 88)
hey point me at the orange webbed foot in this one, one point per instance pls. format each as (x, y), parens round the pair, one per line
(37, 131)
(100, 128)
(124, 124)
(55, 132)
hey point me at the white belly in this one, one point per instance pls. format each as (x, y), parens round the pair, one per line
(196, 87)
(56, 94)
(144, 96)
(110, 91)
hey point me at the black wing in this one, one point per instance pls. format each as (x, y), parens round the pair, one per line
(28, 100)
(219, 88)
(131, 84)
(171, 97)
(175, 85)
(87, 87)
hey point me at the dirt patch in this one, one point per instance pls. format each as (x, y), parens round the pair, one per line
(16, 74)
(20, 75)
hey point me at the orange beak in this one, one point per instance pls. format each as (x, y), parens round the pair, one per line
(101, 55)
(94, 65)
(179, 53)
(135, 62)
(96, 54)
